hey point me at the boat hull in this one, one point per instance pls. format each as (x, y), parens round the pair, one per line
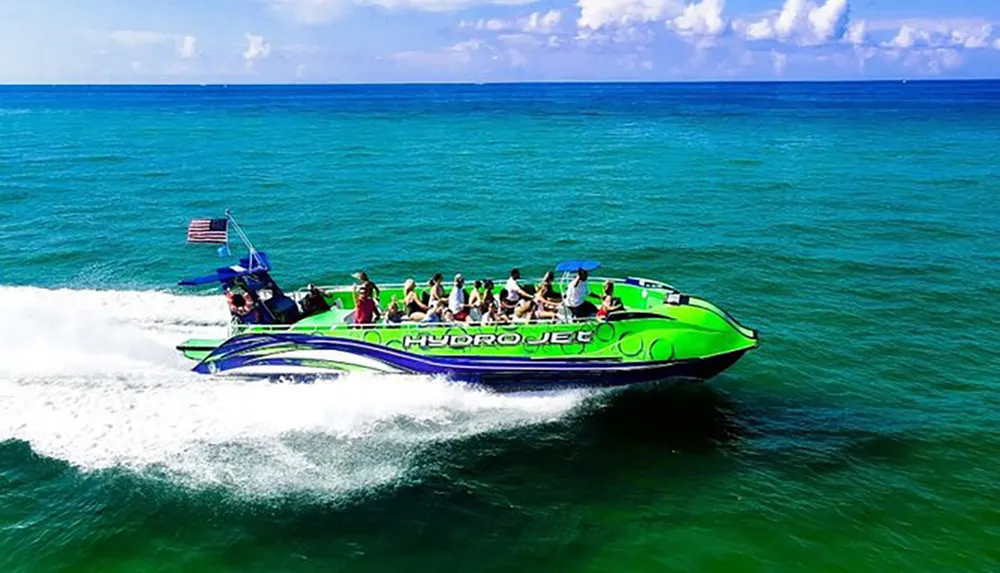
(308, 356)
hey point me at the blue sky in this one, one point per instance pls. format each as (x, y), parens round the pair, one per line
(264, 41)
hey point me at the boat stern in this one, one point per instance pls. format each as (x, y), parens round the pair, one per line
(198, 348)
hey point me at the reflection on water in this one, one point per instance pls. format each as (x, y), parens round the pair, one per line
(686, 417)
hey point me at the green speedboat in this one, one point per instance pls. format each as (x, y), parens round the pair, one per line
(658, 333)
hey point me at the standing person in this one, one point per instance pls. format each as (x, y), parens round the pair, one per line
(364, 281)
(576, 296)
(365, 311)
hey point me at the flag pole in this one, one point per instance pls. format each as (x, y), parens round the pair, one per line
(252, 258)
(244, 238)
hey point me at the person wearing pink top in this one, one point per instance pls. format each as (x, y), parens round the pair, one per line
(365, 311)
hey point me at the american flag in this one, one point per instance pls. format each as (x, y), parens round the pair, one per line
(208, 231)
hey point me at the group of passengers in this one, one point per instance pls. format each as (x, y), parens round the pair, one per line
(480, 304)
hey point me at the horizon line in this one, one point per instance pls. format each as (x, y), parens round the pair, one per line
(507, 82)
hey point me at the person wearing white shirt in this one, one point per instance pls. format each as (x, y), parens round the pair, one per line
(456, 299)
(576, 296)
(514, 291)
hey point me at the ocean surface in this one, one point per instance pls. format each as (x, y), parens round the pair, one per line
(855, 225)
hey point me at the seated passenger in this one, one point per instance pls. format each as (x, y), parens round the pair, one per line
(609, 303)
(476, 296)
(436, 289)
(492, 315)
(393, 314)
(315, 301)
(415, 308)
(504, 304)
(457, 302)
(487, 297)
(525, 310)
(514, 291)
(448, 315)
(576, 296)
(436, 312)
(477, 302)
(365, 311)
(546, 307)
(545, 290)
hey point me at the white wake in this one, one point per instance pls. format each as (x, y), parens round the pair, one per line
(92, 378)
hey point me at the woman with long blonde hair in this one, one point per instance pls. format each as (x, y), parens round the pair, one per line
(415, 308)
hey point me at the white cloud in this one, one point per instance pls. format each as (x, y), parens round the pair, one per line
(702, 19)
(801, 22)
(535, 23)
(829, 21)
(595, 14)
(973, 38)
(996, 44)
(187, 47)
(457, 55)
(492, 24)
(760, 30)
(857, 33)
(792, 13)
(257, 49)
(941, 34)
(634, 35)
(542, 22)
(907, 37)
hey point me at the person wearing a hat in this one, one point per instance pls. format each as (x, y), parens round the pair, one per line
(458, 303)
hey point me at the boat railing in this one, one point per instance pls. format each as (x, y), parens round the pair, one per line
(298, 293)
(237, 328)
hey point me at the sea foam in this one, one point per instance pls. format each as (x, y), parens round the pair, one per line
(92, 378)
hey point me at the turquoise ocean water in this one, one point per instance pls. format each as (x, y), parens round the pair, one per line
(855, 225)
